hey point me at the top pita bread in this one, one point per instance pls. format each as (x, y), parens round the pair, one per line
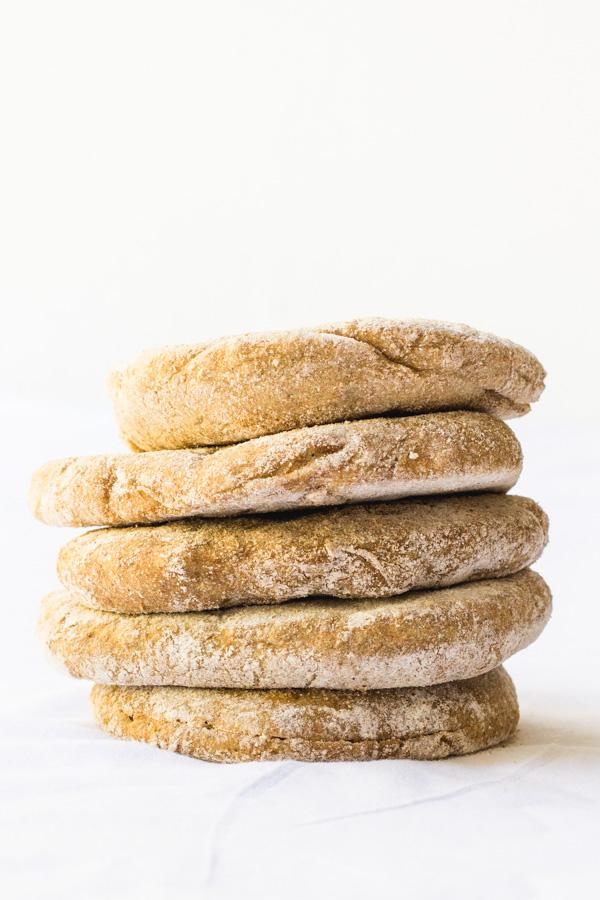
(237, 388)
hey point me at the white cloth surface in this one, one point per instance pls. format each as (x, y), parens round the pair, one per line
(86, 816)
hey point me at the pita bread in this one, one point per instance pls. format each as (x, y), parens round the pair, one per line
(375, 459)
(239, 388)
(370, 550)
(421, 638)
(237, 726)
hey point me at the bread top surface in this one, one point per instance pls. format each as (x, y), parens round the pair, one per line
(362, 550)
(372, 459)
(237, 388)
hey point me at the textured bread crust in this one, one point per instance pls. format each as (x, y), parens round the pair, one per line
(237, 726)
(239, 388)
(373, 550)
(422, 638)
(376, 459)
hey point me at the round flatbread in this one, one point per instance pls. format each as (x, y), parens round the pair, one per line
(375, 459)
(421, 638)
(372, 550)
(237, 726)
(243, 387)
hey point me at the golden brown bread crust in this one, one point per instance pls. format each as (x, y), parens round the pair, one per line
(236, 726)
(375, 459)
(421, 638)
(372, 550)
(238, 388)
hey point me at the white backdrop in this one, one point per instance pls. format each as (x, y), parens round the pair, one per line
(175, 171)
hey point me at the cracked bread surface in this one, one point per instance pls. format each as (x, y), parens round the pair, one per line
(238, 388)
(421, 638)
(370, 550)
(317, 725)
(350, 462)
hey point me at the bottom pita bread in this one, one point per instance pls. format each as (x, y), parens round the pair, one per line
(235, 726)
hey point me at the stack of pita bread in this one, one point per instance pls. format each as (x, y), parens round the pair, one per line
(310, 552)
